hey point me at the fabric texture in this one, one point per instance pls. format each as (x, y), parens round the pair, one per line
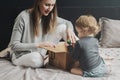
(86, 52)
(110, 32)
(10, 72)
(99, 71)
(33, 59)
(23, 41)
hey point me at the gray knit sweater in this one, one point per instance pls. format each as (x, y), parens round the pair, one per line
(23, 41)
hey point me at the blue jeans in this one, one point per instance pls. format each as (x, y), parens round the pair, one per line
(99, 71)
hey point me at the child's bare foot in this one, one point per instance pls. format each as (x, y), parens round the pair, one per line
(76, 71)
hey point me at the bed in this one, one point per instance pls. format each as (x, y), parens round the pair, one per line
(109, 50)
(10, 72)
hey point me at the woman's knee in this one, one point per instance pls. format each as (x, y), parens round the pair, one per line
(33, 59)
(37, 60)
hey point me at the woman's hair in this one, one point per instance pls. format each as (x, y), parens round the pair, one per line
(88, 23)
(48, 22)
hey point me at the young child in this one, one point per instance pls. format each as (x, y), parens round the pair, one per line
(86, 49)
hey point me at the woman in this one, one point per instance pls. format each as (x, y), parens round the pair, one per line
(36, 28)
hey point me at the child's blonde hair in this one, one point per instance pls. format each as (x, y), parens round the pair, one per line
(88, 23)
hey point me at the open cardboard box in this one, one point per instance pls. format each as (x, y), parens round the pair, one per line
(59, 56)
(60, 48)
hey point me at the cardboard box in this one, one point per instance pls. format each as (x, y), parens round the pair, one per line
(59, 56)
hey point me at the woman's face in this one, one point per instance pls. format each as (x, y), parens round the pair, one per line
(46, 6)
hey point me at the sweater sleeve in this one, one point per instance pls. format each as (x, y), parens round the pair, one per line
(16, 43)
(68, 24)
(76, 51)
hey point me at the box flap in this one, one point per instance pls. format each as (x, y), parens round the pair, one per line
(60, 48)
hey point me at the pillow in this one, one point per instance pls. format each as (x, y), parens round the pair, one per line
(110, 32)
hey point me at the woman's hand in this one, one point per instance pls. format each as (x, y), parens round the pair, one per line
(46, 44)
(71, 36)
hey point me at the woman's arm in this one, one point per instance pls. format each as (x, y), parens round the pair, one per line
(70, 32)
(16, 42)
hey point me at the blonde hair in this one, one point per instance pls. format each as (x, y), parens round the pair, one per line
(88, 24)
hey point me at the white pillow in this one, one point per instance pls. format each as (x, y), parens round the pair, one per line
(110, 32)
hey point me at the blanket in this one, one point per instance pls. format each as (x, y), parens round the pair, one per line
(8, 71)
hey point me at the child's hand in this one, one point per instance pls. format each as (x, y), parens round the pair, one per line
(69, 42)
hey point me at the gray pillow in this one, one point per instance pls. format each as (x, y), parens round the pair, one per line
(110, 32)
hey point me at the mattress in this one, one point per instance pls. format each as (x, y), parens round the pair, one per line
(8, 71)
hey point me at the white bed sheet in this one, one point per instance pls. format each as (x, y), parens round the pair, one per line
(11, 72)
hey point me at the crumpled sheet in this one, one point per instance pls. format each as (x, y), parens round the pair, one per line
(10, 72)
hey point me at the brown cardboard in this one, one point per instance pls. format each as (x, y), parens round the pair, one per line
(60, 48)
(59, 60)
(59, 56)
